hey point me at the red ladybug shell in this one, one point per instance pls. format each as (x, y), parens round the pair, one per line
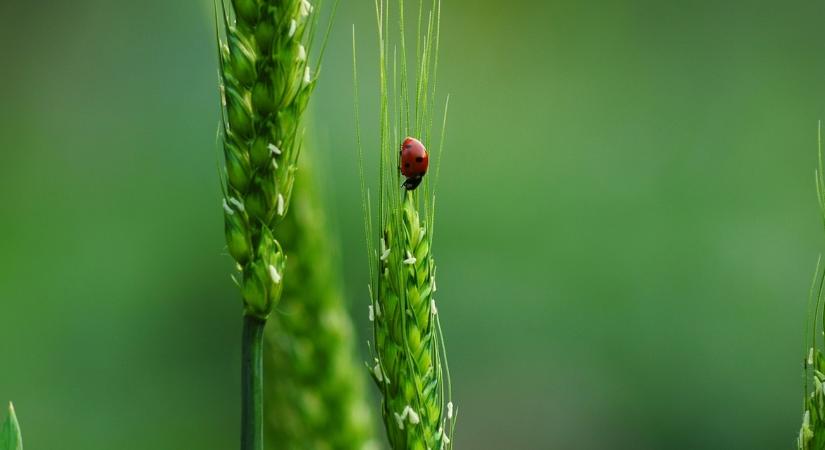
(414, 158)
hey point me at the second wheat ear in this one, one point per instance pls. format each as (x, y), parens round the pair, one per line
(319, 398)
(409, 364)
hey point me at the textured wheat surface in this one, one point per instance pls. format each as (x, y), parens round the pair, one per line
(266, 84)
(316, 400)
(408, 364)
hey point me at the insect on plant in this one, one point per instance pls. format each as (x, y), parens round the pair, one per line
(413, 162)
(409, 360)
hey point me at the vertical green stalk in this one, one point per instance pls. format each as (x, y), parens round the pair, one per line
(252, 383)
(409, 355)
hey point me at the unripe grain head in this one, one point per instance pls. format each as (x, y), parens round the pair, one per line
(264, 92)
(409, 360)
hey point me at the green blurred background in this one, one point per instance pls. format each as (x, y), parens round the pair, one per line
(626, 234)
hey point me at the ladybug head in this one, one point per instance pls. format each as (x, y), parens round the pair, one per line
(412, 182)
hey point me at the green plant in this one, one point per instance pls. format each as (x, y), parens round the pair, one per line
(812, 432)
(319, 401)
(409, 365)
(266, 83)
(10, 437)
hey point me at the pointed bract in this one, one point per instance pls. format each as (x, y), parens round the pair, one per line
(10, 436)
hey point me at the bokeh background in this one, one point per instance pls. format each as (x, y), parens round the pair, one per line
(626, 235)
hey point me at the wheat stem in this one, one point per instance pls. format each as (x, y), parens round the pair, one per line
(252, 384)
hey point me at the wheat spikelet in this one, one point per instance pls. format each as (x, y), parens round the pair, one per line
(266, 84)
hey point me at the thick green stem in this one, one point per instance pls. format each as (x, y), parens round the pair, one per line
(252, 384)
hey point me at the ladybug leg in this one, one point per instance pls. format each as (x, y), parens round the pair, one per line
(411, 183)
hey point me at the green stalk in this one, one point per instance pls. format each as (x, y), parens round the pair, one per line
(252, 384)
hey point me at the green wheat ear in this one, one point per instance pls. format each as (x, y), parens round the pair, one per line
(266, 82)
(319, 400)
(409, 365)
(812, 432)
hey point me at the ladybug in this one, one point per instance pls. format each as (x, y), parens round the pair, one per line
(413, 163)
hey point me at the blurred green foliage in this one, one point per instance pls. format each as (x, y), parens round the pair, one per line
(627, 222)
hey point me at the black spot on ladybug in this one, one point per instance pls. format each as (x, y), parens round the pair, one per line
(406, 165)
(419, 159)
